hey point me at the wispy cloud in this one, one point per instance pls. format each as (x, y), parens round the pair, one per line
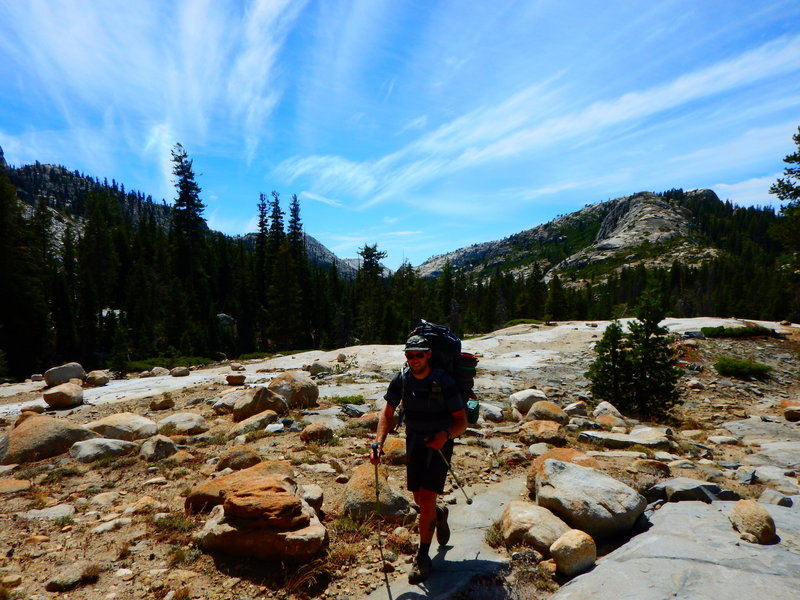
(529, 122)
(751, 192)
(319, 198)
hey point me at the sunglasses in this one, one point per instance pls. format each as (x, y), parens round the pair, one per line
(415, 355)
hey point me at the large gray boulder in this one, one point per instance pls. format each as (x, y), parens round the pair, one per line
(256, 400)
(531, 525)
(62, 374)
(37, 438)
(692, 551)
(682, 489)
(65, 395)
(254, 423)
(92, 450)
(588, 499)
(185, 423)
(124, 426)
(297, 388)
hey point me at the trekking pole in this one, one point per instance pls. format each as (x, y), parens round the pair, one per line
(453, 473)
(378, 509)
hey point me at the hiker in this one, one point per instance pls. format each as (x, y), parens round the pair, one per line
(434, 416)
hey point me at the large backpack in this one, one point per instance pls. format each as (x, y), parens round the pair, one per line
(446, 354)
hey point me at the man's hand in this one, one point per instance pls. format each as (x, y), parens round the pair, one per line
(375, 453)
(437, 440)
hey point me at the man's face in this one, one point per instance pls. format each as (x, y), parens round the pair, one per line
(418, 360)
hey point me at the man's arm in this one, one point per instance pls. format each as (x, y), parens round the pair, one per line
(384, 427)
(458, 425)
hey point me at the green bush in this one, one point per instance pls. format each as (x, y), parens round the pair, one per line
(522, 322)
(358, 399)
(736, 332)
(735, 367)
(167, 362)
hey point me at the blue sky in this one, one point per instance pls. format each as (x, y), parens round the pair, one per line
(422, 126)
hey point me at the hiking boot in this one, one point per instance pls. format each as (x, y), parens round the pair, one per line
(420, 570)
(442, 528)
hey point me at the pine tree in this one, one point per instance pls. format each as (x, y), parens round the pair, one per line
(636, 371)
(610, 371)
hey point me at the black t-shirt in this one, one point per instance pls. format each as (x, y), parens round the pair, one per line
(425, 414)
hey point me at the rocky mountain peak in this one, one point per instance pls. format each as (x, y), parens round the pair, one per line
(593, 234)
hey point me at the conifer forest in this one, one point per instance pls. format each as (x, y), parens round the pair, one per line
(126, 279)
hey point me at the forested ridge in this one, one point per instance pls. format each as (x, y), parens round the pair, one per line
(123, 278)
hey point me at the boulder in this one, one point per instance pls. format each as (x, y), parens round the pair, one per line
(205, 496)
(574, 552)
(606, 408)
(185, 423)
(41, 437)
(609, 422)
(62, 374)
(163, 402)
(157, 448)
(394, 450)
(238, 458)
(534, 432)
(682, 489)
(254, 423)
(569, 455)
(753, 522)
(235, 379)
(792, 413)
(544, 410)
(266, 501)
(577, 409)
(92, 450)
(647, 436)
(180, 372)
(359, 496)
(490, 412)
(65, 395)
(240, 537)
(317, 432)
(97, 378)
(522, 401)
(159, 372)
(314, 495)
(527, 524)
(317, 368)
(297, 388)
(588, 499)
(124, 426)
(256, 400)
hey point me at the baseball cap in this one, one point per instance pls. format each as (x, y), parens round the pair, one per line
(417, 342)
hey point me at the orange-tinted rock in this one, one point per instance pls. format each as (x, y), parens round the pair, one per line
(266, 502)
(205, 496)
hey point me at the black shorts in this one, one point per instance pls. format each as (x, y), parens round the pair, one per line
(425, 468)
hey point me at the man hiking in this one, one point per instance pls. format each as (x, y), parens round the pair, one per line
(434, 416)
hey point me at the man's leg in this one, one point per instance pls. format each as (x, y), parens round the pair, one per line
(426, 500)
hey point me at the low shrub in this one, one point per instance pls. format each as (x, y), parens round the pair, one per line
(358, 400)
(146, 364)
(737, 332)
(522, 322)
(736, 367)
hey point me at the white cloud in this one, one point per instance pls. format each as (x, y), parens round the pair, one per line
(319, 198)
(530, 121)
(751, 192)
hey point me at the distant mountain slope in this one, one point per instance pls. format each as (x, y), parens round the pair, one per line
(66, 194)
(625, 229)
